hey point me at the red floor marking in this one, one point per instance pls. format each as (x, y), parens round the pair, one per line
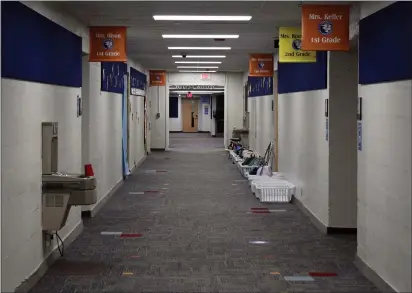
(151, 191)
(322, 274)
(268, 256)
(124, 235)
(135, 256)
(259, 209)
(162, 171)
(260, 212)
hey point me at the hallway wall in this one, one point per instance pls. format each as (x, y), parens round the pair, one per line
(384, 163)
(234, 106)
(158, 97)
(94, 138)
(101, 131)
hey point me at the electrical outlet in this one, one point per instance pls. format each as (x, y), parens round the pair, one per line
(157, 115)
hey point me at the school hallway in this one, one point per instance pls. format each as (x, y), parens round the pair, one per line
(196, 235)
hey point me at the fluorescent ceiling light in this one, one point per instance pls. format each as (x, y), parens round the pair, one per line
(200, 56)
(202, 17)
(204, 67)
(200, 71)
(200, 36)
(199, 48)
(198, 62)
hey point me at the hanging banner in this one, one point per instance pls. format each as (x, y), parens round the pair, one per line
(107, 44)
(325, 27)
(261, 65)
(137, 83)
(157, 77)
(290, 46)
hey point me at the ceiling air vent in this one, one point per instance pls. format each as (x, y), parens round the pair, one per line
(220, 40)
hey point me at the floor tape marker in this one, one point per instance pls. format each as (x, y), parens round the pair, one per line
(130, 235)
(136, 193)
(127, 273)
(110, 233)
(277, 211)
(259, 209)
(274, 273)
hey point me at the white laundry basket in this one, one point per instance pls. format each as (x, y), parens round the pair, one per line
(245, 170)
(280, 191)
(275, 175)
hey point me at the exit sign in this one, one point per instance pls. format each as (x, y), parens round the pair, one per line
(205, 76)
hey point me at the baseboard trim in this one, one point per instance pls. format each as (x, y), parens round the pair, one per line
(319, 225)
(32, 280)
(99, 205)
(176, 131)
(95, 210)
(315, 221)
(213, 135)
(372, 276)
(157, 149)
(203, 131)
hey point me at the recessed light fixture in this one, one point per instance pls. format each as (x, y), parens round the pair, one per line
(204, 67)
(202, 17)
(200, 36)
(199, 56)
(198, 62)
(198, 71)
(199, 48)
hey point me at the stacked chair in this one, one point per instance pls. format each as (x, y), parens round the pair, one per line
(267, 186)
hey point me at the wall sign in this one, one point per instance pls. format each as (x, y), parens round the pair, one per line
(79, 106)
(107, 44)
(327, 129)
(290, 46)
(205, 99)
(206, 110)
(359, 135)
(157, 77)
(325, 27)
(196, 87)
(261, 65)
(359, 116)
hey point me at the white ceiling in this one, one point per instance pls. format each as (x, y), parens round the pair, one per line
(144, 36)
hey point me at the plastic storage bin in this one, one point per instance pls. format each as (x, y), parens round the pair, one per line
(280, 191)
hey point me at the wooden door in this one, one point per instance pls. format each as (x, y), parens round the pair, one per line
(190, 115)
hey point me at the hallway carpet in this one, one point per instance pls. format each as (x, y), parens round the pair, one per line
(197, 235)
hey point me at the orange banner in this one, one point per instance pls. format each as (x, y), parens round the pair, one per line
(261, 65)
(107, 44)
(157, 77)
(325, 28)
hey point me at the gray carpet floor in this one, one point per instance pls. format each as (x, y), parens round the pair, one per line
(197, 235)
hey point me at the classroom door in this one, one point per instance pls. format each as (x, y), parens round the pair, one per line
(190, 115)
